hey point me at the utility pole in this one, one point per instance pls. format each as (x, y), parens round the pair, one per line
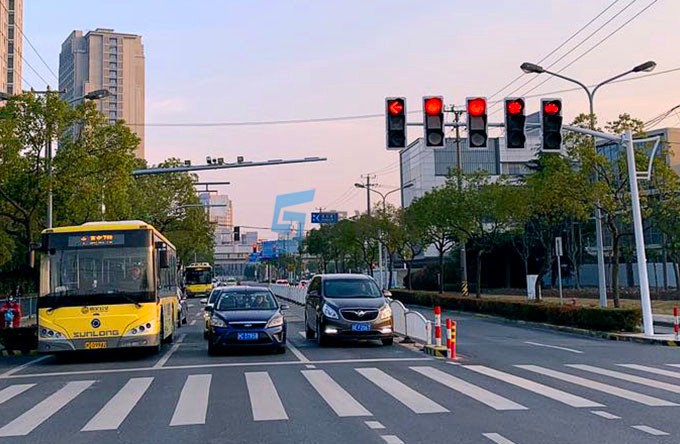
(368, 192)
(459, 159)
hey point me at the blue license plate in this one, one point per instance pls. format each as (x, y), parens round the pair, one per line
(246, 336)
(361, 327)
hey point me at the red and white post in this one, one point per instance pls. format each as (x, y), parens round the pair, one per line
(452, 346)
(448, 334)
(438, 326)
(676, 322)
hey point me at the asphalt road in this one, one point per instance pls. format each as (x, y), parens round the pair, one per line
(512, 385)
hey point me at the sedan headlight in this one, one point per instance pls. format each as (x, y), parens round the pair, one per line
(329, 312)
(385, 312)
(217, 322)
(275, 321)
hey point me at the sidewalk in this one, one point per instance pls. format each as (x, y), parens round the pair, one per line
(663, 320)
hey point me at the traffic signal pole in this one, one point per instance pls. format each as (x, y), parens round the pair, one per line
(459, 159)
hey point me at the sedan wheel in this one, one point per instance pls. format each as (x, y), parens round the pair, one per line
(309, 333)
(321, 338)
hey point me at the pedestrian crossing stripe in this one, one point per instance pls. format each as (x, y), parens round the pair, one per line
(192, 404)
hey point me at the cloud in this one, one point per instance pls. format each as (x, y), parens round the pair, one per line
(167, 105)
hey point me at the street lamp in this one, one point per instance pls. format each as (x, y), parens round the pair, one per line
(384, 198)
(531, 68)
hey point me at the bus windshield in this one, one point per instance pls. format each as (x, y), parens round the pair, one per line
(198, 276)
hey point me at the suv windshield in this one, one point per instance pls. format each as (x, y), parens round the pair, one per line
(351, 288)
(259, 300)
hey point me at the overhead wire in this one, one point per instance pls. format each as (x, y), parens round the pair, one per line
(559, 47)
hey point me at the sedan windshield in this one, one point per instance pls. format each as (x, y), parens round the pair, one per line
(351, 288)
(261, 300)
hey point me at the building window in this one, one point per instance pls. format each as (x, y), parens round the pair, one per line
(112, 115)
(11, 17)
(10, 60)
(113, 66)
(113, 89)
(113, 40)
(113, 74)
(112, 82)
(113, 49)
(10, 47)
(113, 58)
(112, 106)
(10, 34)
(10, 77)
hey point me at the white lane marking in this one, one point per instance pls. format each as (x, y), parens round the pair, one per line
(543, 390)
(303, 334)
(13, 390)
(391, 439)
(264, 399)
(310, 366)
(335, 396)
(674, 365)
(498, 439)
(627, 377)
(401, 392)
(605, 415)
(538, 344)
(219, 365)
(656, 371)
(23, 366)
(298, 354)
(594, 385)
(193, 322)
(484, 396)
(41, 412)
(374, 425)
(112, 415)
(164, 359)
(192, 406)
(650, 430)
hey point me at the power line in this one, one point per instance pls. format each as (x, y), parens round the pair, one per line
(578, 45)
(560, 46)
(597, 44)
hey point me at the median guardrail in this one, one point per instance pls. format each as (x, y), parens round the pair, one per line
(409, 323)
(296, 295)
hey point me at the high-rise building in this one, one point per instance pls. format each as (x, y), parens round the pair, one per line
(104, 59)
(222, 216)
(11, 45)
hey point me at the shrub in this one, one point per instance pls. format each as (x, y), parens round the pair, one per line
(591, 318)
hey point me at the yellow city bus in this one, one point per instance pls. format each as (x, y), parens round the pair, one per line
(198, 279)
(106, 285)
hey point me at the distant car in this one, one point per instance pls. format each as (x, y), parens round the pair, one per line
(246, 317)
(347, 306)
(282, 281)
(231, 282)
(303, 283)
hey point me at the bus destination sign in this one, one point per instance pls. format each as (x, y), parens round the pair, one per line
(92, 240)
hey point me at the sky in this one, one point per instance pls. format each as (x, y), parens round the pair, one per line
(214, 61)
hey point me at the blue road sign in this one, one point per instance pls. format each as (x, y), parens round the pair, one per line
(324, 218)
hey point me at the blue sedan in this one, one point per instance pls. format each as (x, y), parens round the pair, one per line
(246, 317)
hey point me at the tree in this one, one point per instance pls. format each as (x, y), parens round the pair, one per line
(441, 216)
(411, 240)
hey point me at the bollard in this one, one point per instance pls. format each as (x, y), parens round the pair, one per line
(438, 326)
(428, 332)
(452, 348)
(448, 334)
(676, 322)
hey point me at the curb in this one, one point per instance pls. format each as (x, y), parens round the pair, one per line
(6, 353)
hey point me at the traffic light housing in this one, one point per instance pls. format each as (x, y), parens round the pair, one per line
(433, 120)
(395, 120)
(237, 234)
(477, 122)
(551, 124)
(515, 120)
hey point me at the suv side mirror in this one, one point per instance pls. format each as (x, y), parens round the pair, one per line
(313, 293)
(387, 293)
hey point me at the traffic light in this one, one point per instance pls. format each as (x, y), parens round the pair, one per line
(433, 120)
(395, 119)
(515, 119)
(551, 124)
(477, 122)
(237, 234)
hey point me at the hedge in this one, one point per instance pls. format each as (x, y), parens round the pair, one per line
(590, 318)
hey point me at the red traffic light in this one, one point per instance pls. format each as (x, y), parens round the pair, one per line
(514, 107)
(433, 106)
(395, 107)
(476, 107)
(552, 108)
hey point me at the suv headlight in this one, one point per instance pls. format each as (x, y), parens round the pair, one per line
(329, 312)
(217, 322)
(275, 321)
(385, 312)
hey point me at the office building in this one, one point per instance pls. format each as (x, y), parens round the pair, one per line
(104, 59)
(11, 45)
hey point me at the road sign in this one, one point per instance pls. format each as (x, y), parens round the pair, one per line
(558, 246)
(324, 218)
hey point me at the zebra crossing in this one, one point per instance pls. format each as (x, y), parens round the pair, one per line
(340, 396)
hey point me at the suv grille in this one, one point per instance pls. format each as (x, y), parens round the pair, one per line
(359, 314)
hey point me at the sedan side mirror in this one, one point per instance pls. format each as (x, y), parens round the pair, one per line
(285, 307)
(387, 293)
(208, 308)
